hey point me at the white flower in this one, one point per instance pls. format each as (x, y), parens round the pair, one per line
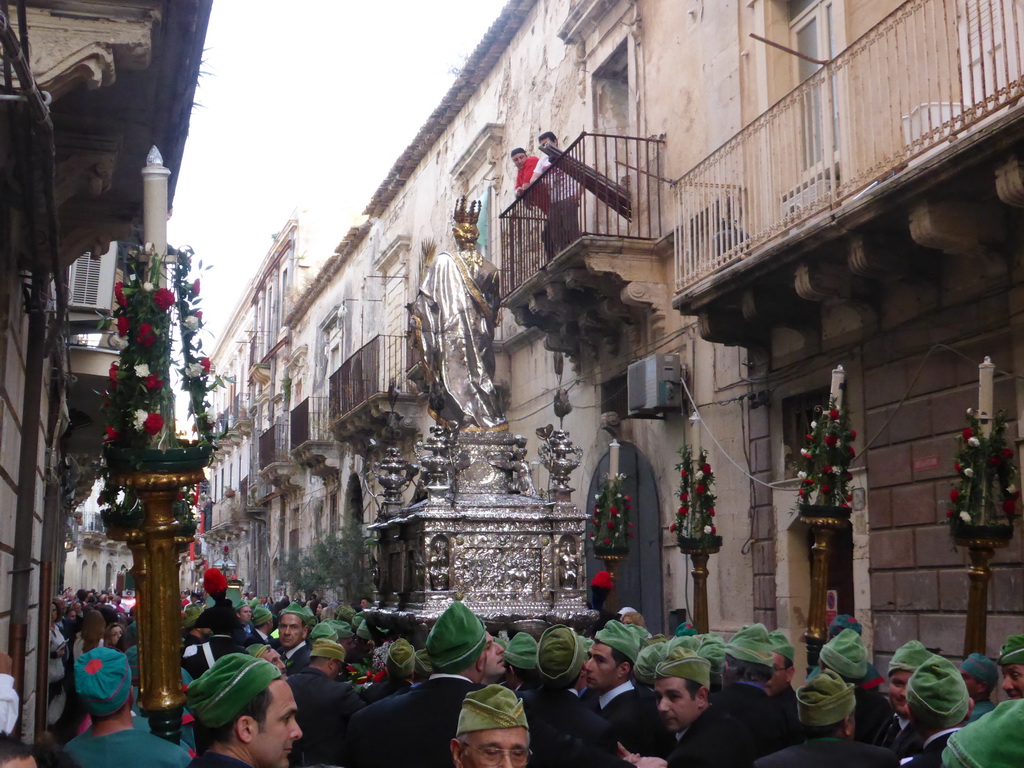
(191, 322)
(814, 425)
(969, 472)
(194, 370)
(698, 475)
(140, 418)
(974, 442)
(1011, 489)
(707, 529)
(147, 287)
(965, 516)
(118, 342)
(142, 370)
(805, 453)
(801, 474)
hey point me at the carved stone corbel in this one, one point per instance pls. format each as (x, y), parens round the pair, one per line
(1010, 182)
(958, 228)
(821, 282)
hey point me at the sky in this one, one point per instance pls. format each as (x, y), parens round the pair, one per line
(305, 104)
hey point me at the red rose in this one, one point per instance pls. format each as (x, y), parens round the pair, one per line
(802, 493)
(949, 513)
(1007, 453)
(684, 497)
(626, 497)
(700, 488)
(632, 525)
(123, 326)
(112, 373)
(954, 495)
(199, 314)
(852, 434)
(611, 525)
(711, 511)
(993, 461)
(146, 337)
(683, 473)
(195, 287)
(112, 434)
(607, 541)
(163, 298)
(206, 363)
(706, 469)
(672, 528)
(153, 423)
(119, 294)
(1009, 506)
(631, 536)
(956, 465)
(833, 414)
(830, 441)
(827, 470)
(826, 489)
(713, 530)
(154, 382)
(614, 510)
(968, 433)
(808, 480)
(684, 510)
(850, 451)
(849, 475)
(809, 437)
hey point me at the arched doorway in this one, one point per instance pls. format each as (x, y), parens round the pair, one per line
(83, 582)
(108, 576)
(353, 501)
(640, 579)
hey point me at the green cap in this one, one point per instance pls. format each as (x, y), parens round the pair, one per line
(261, 615)
(647, 662)
(993, 741)
(192, 612)
(1012, 651)
(225, 689)
(620, 637)
(492, 707)
(686, 629)
(400, 659)
(363, 631)
(560, 657)
(325, 648)
(342, 629)
(521, 651)
(257, 650)
(982, 669)
(655, 639)
(909, 657)
(456, 640)
(937, 695)
(345, 613)
(845, 654)
(781, 645)
(690, 642)
(253, 603)
(322, 631)
(684, 663)
(712, 648)
(586, 643)
(640, 632)
(825, 700)
(103, 680)
(751, 644)
(422, 664)
(302, 612)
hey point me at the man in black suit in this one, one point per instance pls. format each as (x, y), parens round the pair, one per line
(705, 736)
(632, 712)
(847, 655)
(293, 627)
(221, 621)
(262, 625)
(399, 664)
(898, 734)
(748, 668)
(780, 685)
(325, 705)
(826, 704)
(560, 657)
(939, 705)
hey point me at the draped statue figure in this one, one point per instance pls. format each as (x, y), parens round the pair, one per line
(454, 314)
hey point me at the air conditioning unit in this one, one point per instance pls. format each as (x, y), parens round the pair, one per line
(653, 386)
(91, 281)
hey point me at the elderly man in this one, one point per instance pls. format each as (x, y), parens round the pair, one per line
(826, 704)
(780, 685)
(293, 626)
(846, 655)
(705, 736)
(103, 681)
(897, 735)
(939, 704)
(980, 674)
(265, 652)
(1011, 660)
(492, 730)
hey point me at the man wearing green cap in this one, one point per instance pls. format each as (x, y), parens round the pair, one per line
(103, 680)
(492, 730)
(705, 736)
(980, 674)
(826, 705)
(897, 735)
(748, 668)
(846, 655)
(995, 741)
(249, 712)
(780, 686)
(262, 625)
(939, 704)
(1011, 660)
(521, 663)
(293, 626)
(400, 663)
(325, 705)
(632, 712)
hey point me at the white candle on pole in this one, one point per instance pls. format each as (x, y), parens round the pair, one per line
(838, 379)
(154, 201)
(613, 458)
(986, 374)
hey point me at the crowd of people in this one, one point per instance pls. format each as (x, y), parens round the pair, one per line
(314, 683)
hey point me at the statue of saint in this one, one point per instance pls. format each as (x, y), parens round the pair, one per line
(455, 314)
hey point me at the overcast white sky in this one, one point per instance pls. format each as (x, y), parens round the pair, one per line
(306, 103)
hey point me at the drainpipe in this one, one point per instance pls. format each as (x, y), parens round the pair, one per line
(47, 559)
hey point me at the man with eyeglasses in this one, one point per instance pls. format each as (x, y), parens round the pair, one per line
(492, 730)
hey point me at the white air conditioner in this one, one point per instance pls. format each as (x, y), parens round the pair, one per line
(91, 281)
(653, 385)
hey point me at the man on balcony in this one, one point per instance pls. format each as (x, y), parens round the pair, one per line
(563, 227)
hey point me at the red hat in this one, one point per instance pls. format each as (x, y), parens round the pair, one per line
(602, 579)
(214, 582)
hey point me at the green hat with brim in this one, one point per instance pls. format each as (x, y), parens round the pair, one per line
(909, 657)
(655, 639)
(322, 631)
(686, 629)
(422, 664)
(257, 650)
(1012, 651)
(712, 648)
(617, 635)
(781, 645)
(982, 669)
(647, 662)
(684, 663)
(825, 700)
(560, 657)
(342, 629)
(521, 651)
(103, 680)
(489, 708)
(993, 741)
(456, 640)
(226, 688)
(302, 612)
(400, 659)
(641, 634)
(845, 654)
(345, 613)
(937, 694)
(751, 644)
(363, 631)
(325, 648)
(192, 613)
(261, 615)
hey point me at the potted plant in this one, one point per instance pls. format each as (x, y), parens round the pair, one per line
(613, 527)
(983, 504)
(694, 525)
(824, 465)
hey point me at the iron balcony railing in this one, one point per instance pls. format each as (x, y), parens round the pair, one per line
(258, 347)
(600, 185)
(274, 445)
(928, 71)
(374, 369)
(311, 420)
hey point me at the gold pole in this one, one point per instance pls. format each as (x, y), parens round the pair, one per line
(817, 631)
(979, 573)
(699, 559)
(611, 564)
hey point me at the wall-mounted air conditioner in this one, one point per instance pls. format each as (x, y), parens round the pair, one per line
(653, 385)
(91, 281)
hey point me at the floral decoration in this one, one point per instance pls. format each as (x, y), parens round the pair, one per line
(824, 462)
(985, 493)
(694, 525)
(613, 527)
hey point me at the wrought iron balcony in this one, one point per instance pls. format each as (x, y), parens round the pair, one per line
(930, 74)
(275, 461)
(312, 437)
(582, 235)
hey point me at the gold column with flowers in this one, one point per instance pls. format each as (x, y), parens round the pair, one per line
(694, 526)
(613, 525)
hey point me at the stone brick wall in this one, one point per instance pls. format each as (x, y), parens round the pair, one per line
(763, 528)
